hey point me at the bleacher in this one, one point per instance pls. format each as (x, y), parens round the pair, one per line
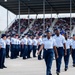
(37, 27)
(13, 29)
(64, 24)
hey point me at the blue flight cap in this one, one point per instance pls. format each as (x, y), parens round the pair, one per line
(13, 35)
(29, 35)
(57, 29)
(47, 31)
(40, 34)
(62, 32)
(25, 34)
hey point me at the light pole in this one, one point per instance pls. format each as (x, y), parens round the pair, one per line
(43, 15)
(19, 19)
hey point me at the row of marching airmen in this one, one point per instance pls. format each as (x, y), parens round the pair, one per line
(25, 46)
(14, 47)
(58, 45)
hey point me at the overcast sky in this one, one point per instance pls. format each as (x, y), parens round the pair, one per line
(3, 17)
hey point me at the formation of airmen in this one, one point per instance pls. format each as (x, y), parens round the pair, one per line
(57, 45)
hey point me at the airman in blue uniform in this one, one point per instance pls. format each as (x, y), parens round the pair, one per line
(16, 46)
(7, 46)
(30, 46)
(13, 47)
(25, 49)
(67, 56)
(61, 49)
(22, 47)
(2, 51)
(49, 45)
(73, 49)
(35, 43)
(39, 45)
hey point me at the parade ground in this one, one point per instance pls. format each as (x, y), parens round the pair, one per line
(32, 67)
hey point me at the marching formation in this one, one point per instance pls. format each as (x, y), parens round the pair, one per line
(57, 45)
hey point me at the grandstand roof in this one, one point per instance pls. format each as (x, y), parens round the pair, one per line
(36, 6)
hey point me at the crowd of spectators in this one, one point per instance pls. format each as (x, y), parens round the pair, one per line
(38, 27)
(15, 26)
(64, 24)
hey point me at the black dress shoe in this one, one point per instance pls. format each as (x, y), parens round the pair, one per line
(24, 58)
(7, 56)
(66, 69)
(39, 58)
(1, 67)
(57, 73)
(4, 67)
(34, 56)
(30, 57)
(73, 65)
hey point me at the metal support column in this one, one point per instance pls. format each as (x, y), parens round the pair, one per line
(28, 16)
(70, 15)
(7, 19)
(51, 16)
(36, 16)
(43, 15)
(57, 15)
(19, 19)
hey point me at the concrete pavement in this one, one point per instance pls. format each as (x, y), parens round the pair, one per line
(32, 67)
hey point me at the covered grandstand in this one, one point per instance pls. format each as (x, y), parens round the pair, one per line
(19, 7)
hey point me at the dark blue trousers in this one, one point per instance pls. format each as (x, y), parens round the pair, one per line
(48, 56)
(34, 51)
(7, 50)
(19, 46)
(30, 47)
(73, 56)
(39, 56)
(4, 56)
(16, 51)
(66, 58)
(21, 50)
(59, 59)
(1, 57)
(25, 51)
(12, 51)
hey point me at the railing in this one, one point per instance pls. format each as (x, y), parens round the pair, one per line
(54, 22)
(30, 26)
